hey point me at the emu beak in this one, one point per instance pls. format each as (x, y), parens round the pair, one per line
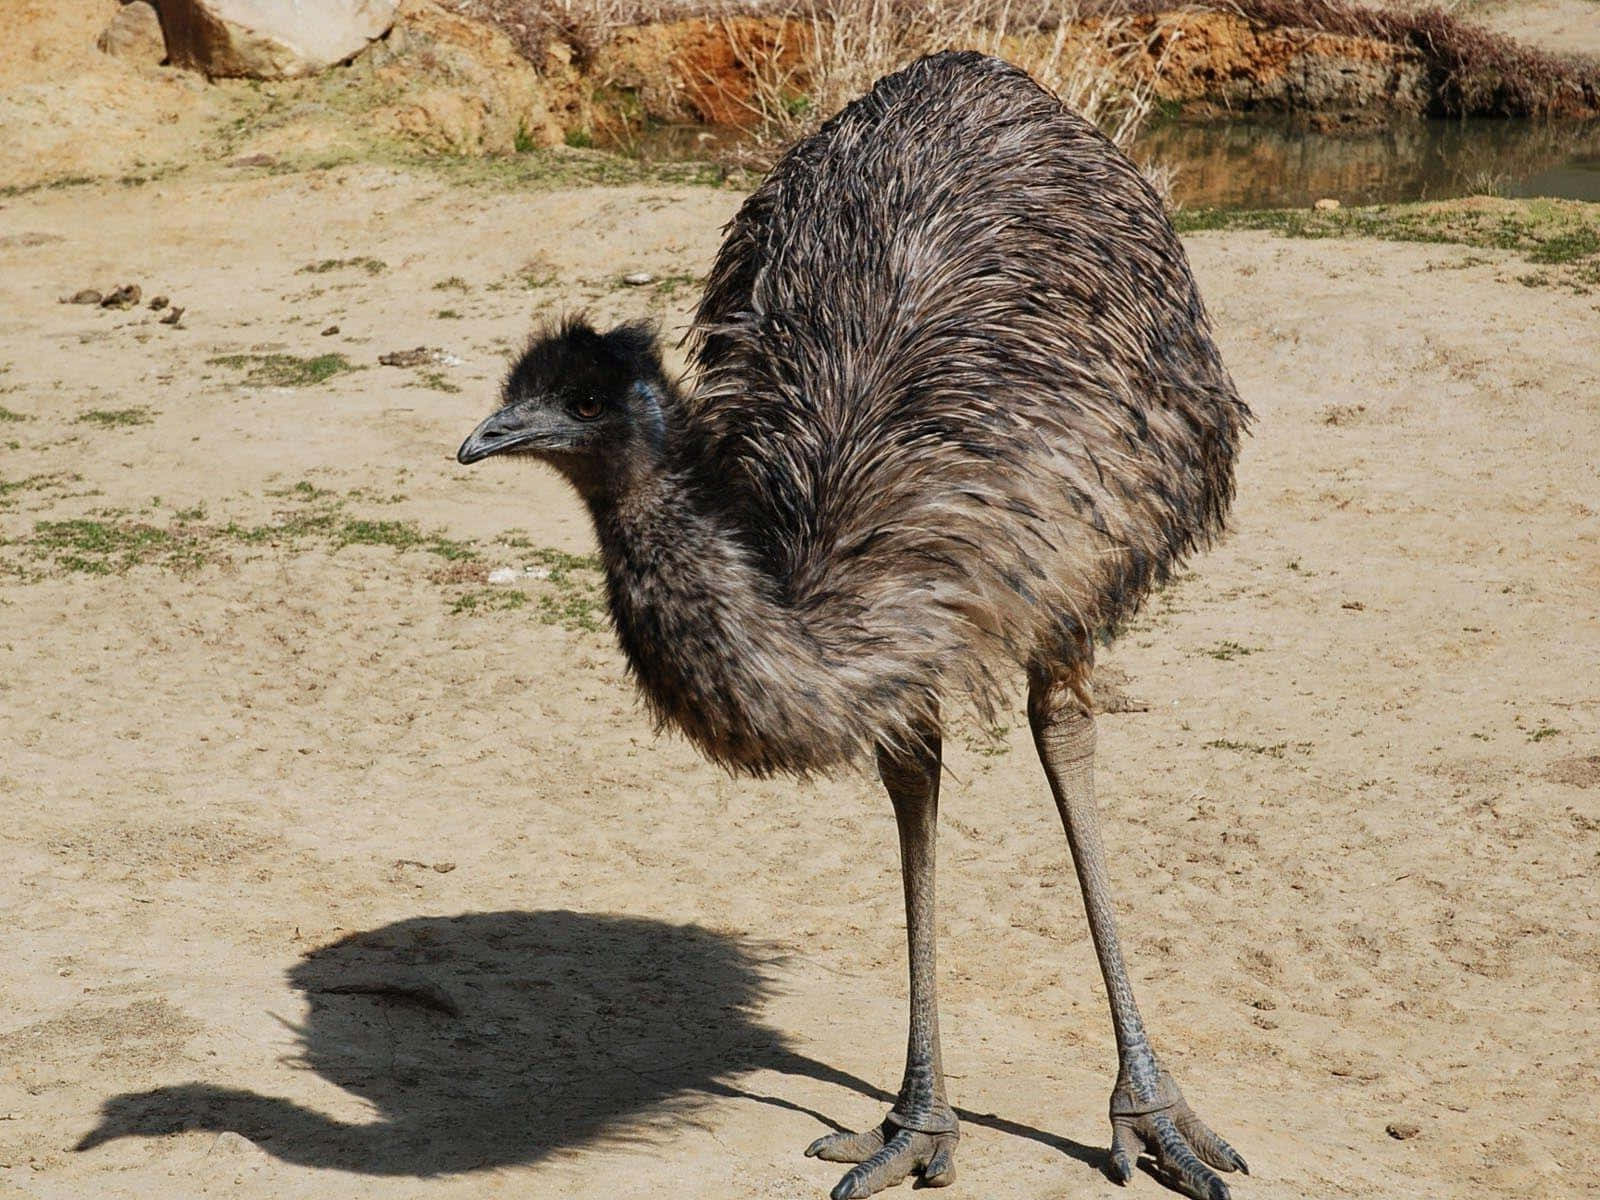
(504, 430)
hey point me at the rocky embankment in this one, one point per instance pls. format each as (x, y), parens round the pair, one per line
(95, 87)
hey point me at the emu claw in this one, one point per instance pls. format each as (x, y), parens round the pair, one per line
(1183, 1146)
(884, 1155)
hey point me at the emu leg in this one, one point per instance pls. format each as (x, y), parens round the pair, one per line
(1146, 1106)
(920, 1132)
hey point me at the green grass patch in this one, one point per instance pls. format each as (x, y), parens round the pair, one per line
(561, 589)
(567, 589)
(437, 381)
(488, 600)
(453, 283)
(572, 608)
(1274, 751)
(573, 166)
(285, 370)
(8, 415)
(372, 266)
(1227, 651)
(116, 418)
(108, 547)
(1551, 232)
(399, 535)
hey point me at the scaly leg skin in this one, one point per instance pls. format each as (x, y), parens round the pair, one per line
(1147, 1110)
(919, 1134)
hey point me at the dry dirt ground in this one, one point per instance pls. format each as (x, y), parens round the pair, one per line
(334, 870)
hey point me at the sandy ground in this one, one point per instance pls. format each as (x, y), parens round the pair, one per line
(316, 887)
(1564, 26)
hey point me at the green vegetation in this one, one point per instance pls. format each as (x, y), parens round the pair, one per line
(561, 589)
(452, 284)
(7, 414)
(372, 266)
(112, 418)
(1274, 751)
(448, 314)
(437, 381)
(568, 588)
(1227, 651)
(488, 600)
(567, 167)
(111, 547)
(1549, 232)
(668, 285)
(285, 370)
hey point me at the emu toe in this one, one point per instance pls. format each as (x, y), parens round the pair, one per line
(884, 1156)
(1183, 1146)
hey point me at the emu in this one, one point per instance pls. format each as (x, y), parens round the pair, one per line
(955, 409)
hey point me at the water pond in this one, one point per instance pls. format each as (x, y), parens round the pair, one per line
(1279, 164)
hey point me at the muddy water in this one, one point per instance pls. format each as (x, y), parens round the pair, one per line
(1260, 164)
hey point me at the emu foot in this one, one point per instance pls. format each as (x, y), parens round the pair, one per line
(886, 1154)
(1160, 1120)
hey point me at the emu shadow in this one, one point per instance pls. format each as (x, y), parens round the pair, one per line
(493, 1039)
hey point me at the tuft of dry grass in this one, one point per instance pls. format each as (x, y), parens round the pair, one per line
(850, 44)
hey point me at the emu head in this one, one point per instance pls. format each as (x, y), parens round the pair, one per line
(588, 403)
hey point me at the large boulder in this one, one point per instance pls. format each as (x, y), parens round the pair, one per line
(135, 34)
(270, 39)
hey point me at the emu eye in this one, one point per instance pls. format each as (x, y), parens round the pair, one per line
(587, 409)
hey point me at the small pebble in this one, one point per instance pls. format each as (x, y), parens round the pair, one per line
(638, 278)
(1402, 1131)
(173, 317)
(85, 296)
(330, 331)
(503, 575)
(158, 304)
(1326, 204)
(444, 868)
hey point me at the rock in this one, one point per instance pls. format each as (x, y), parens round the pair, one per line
(638, 278)
(125, 296)
(1326, 204)
(83, 296)
(270, 39)
(158, 304)
(1402, 1131)
(330, 331)
(173, 317)
(460, 85)
(135, 34)
(503, 575)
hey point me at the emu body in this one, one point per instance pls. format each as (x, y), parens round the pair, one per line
(954, 410)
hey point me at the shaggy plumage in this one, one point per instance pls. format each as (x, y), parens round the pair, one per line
(955, 408)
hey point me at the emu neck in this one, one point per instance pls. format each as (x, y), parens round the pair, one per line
(714, 651)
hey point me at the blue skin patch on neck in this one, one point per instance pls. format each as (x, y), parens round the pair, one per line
(652, 420)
